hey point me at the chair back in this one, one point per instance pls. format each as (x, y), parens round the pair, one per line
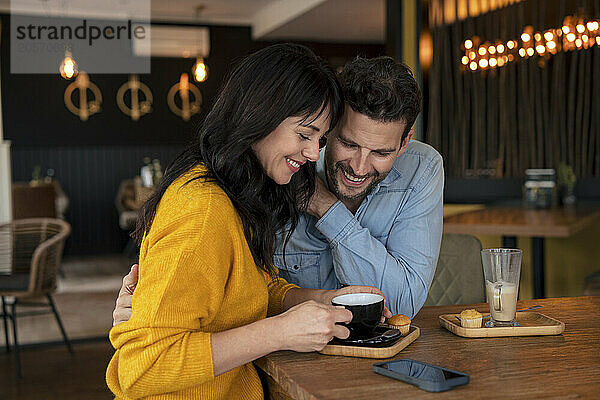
(36, 246)
(458, 277)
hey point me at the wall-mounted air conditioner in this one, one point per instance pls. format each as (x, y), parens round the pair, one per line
(174, 41)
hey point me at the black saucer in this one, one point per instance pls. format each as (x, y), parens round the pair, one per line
(381, 337)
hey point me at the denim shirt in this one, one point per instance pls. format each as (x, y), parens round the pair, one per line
(392, 242)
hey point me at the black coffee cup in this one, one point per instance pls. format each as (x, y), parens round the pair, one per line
(366, 311)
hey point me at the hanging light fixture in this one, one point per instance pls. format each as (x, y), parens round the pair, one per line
(68, 67)
(200, 70)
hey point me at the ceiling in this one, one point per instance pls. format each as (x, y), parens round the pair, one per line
(227, 12)
(348, 21)
(354, 21)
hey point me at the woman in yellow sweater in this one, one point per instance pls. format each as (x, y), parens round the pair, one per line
(208, 301)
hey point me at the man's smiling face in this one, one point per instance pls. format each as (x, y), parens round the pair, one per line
(360, 154)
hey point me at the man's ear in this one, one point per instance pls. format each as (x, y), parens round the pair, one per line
(407, 139)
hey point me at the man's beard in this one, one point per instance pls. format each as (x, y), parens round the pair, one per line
(336, 186)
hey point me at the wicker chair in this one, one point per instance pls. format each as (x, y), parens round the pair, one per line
(30, 255)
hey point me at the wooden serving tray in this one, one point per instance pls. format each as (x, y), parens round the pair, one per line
(373, 352)
(532, 324)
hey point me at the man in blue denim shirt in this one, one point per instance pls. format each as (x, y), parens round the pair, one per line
(376, 216)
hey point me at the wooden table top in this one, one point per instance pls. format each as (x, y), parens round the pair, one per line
(563, 366)
(519, 221)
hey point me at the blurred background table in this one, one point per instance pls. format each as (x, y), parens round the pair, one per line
(513, 221)
(562, 366)
(42, 200)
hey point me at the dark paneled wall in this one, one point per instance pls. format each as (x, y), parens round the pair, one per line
(90, 176)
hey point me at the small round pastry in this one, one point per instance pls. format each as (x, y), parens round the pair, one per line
(470, 319)
(401, 322)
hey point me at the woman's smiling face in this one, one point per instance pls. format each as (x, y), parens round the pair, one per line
(290, 145)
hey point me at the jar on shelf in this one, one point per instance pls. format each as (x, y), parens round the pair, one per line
(539, 189)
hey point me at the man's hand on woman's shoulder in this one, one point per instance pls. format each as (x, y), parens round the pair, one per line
(122, 311)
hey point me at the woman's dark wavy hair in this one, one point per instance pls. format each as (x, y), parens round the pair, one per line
(383, 89)
(275, 83)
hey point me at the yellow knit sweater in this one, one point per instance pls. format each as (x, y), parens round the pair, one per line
(196, 277)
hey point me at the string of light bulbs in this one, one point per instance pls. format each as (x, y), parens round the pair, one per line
(575, 34)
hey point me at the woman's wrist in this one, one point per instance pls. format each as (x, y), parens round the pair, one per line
(238, 346)
(273, 332)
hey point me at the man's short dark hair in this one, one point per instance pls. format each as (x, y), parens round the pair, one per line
(383, 89)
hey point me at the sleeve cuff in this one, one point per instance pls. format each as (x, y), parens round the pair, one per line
(336, 222)
(278, 288)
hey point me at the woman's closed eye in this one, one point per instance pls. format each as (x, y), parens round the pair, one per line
(303, 136)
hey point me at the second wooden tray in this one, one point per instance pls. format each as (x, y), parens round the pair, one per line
(532, 324)
(373, 352)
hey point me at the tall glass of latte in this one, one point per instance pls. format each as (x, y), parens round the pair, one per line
(502, 270)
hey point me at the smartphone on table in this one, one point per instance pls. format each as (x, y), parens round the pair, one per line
(428, 377)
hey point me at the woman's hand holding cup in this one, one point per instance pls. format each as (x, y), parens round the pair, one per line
(309, 326)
